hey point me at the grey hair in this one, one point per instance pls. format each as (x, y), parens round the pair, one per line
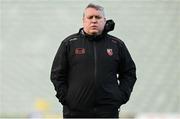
(97, 7)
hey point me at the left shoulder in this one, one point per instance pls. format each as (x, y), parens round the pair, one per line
(115, 40)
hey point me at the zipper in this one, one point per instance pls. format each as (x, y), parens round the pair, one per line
(95, 69)
(95, 62)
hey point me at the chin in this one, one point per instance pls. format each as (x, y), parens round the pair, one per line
(95, 33)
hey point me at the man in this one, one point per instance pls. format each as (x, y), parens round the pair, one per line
(93, 72)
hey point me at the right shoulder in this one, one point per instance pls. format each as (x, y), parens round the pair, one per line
(70, 38)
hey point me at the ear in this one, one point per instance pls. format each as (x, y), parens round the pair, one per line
(83, 19)
(104, 19)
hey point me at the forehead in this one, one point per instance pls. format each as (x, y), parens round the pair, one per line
(92, 12)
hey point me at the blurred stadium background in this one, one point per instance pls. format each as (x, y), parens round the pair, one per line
(32, 30)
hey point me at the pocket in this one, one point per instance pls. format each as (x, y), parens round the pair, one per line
(64, 101)
(66, 111)
(118, 96)
(121, 97)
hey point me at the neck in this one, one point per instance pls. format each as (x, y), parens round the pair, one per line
(95, 34)
(92, 37)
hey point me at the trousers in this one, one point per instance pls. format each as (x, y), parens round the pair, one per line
(95, 113)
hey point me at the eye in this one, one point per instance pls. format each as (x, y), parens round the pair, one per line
(98, 17)
(90, 17)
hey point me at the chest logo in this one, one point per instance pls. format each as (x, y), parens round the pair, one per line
(79, 51)
(110, 52)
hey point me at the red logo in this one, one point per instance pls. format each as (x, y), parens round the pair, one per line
(110, 52)
(79, 51)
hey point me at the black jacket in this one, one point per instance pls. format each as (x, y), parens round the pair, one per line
(93, 71)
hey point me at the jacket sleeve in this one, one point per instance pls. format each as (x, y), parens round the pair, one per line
(59, 72)
(127, 74)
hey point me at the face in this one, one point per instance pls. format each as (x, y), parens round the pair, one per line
(93, 21)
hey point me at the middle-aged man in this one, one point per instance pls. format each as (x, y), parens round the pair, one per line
(93, 72)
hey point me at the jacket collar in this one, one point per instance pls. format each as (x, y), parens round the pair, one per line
(91, 37)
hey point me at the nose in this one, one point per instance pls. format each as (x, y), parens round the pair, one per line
(94, 20)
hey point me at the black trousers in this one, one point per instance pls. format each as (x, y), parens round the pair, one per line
(95, 113)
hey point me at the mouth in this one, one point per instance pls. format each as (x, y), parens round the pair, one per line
(94, 27)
